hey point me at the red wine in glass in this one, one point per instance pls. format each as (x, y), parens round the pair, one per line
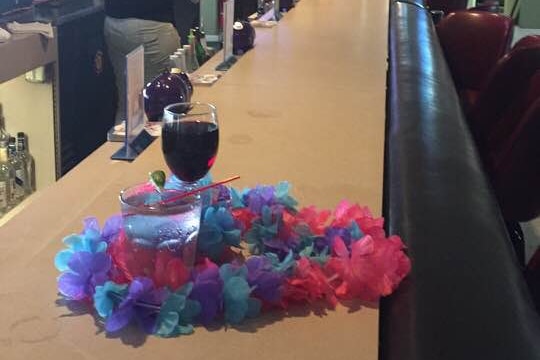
(190, 139)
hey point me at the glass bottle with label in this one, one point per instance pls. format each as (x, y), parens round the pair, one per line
(4, 136)
(7, 179)
(191, 59)
(21, 188)
(28, 160)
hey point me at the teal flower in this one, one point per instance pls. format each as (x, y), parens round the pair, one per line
(236, 294)
(263, 229)
(281, 266)
(282, 196)
(177, 313)
(218, 231)
(90, 241)
(356, 232)
(107, 297)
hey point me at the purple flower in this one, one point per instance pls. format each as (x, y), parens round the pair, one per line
(208, 291)
(86, 270)
(259, 197)
(329, 236)
(112, 227)
(110, 230)
(142, 303)
(267, 283)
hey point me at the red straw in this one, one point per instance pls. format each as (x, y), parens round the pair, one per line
(192, 192)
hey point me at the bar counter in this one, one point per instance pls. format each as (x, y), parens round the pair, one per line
(306, 105)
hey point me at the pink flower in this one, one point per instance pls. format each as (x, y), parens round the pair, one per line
(374, 268)
(317, 221)
(308, 284)
(346, 212)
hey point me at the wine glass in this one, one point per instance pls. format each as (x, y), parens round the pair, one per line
(190, 138)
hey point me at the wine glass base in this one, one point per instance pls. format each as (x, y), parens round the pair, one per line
(174, 183)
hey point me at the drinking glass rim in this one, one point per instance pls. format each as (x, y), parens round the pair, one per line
(211, 108)
(175, 206)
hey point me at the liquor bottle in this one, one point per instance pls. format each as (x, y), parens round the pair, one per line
(195, 42)
(4, 136)
(173, 61)
(182, 64)
(7, 179)
(28, 161)
(21, 186)
(201, 37)
(191, 60)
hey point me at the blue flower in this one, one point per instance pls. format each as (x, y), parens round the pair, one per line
(237, 201)
(177, 313)
(355, 231)
(236, 294)
(90, 241)
(218, 231)
(107, 297)
(85, 271)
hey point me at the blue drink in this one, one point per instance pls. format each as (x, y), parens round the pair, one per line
(153, 223)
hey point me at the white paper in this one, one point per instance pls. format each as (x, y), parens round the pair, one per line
(134, 97)
(228, 22)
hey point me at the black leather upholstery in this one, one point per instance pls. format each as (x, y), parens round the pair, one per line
(465, 297)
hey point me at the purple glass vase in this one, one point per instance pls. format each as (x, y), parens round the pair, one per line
(185, 79)
(166, 88)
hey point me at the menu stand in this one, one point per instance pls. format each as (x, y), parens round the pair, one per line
(136, 137)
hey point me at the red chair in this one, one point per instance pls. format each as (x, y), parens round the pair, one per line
(516, 174)
(505, 122)
(447, 6)
(511, 90)
(473, 42)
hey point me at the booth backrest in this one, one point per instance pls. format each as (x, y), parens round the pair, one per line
(465, 298)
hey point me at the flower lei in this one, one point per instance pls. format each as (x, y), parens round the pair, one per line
(295, 256)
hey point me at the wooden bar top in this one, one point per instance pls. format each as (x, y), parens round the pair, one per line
(306, 105)
(24, 52)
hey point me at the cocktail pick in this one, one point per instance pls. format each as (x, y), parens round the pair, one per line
(198, 190)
